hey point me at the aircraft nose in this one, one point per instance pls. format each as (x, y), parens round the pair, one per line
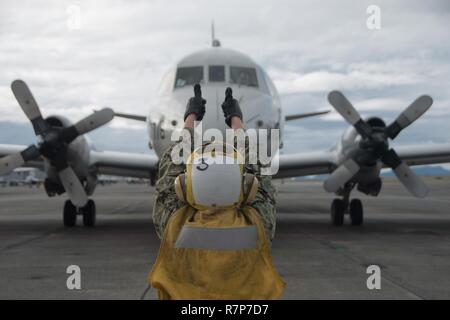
(213, 111)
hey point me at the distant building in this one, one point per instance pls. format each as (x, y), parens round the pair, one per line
(22, 176)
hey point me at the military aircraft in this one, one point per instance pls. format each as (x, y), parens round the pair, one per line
(72, 163)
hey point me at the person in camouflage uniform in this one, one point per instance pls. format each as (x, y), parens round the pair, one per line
(167, 202)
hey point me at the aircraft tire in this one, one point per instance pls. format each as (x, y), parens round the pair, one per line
(337, 212)
(89, 214)
(69, 214)
(356, 212)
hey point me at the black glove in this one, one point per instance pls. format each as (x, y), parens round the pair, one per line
(196, 104)
(230, 107)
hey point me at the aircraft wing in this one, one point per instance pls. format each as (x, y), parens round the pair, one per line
(106, 162)
(306, 164)
(125, 164)
(313, 163)
(290, 165)
(424, 154)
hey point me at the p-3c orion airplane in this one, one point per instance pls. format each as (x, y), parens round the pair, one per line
(72, 164)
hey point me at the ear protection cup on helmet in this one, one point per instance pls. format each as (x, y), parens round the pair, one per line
(250, 188)
(180, 187)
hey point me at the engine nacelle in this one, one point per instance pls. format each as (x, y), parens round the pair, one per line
(78, 153)
(351, 146)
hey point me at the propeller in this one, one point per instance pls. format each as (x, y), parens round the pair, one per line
(29, 106)
(343, 173)
(54, 142)
(375, 146)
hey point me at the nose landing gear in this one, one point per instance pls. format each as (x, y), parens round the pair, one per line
(70, 214)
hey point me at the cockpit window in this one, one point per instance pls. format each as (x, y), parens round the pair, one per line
(243, 76)
(216, 73)
(188, 76)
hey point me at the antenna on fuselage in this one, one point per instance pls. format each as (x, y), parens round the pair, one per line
(214, 41)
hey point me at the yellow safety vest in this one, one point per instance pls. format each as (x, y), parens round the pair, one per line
(215, 255)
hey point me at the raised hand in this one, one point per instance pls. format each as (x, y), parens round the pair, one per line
(230, 107)
(196, 104)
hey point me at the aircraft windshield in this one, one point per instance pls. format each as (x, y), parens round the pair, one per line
(216, 73)
(243, 76)
(187, 76)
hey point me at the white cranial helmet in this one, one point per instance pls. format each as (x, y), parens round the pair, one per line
(215, 178)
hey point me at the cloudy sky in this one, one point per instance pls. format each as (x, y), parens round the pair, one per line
(79, 55)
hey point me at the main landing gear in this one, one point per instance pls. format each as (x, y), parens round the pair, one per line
(339, 207)
(71, 212)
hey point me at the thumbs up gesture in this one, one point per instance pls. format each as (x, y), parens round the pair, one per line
(230, 107)
(196, 104)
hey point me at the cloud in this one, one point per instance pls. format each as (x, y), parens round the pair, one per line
(356, 77)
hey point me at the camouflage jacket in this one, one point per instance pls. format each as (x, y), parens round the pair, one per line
(167, 202)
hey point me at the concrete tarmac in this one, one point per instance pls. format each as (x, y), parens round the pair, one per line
(408, 238)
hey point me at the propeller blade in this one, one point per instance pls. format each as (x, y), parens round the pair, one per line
(341, 175)
(409, 115)
(73, 187)
(411, 181)
(349, 113)
(29, 106)
(12, 161)
(92, 122)
(405, 175)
